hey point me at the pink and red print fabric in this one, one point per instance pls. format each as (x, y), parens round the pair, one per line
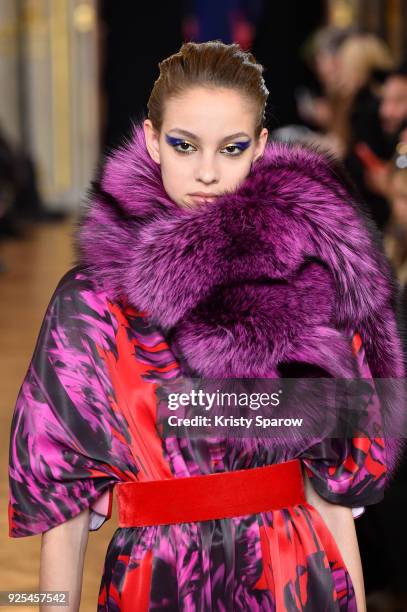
(86, 419)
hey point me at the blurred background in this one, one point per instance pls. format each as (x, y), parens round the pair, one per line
(75, 73)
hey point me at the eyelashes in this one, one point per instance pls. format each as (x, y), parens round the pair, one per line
(240, 146)
(177, 143)
(181, 146)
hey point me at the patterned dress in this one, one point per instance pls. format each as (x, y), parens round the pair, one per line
(85, 420)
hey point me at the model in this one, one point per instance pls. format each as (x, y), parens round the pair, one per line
(206, 251)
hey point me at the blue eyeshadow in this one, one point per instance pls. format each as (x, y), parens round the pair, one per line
(242, 145)
(172, 140)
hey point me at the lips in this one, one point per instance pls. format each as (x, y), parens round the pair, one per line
(201, 198)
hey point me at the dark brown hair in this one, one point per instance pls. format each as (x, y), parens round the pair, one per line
(213, 64)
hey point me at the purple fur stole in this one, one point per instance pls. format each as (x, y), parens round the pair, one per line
(272, 273)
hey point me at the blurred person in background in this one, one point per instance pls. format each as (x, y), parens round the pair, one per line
(393, 107)
(364, 61)
(396, 230)
(323, 109)
(393, 117)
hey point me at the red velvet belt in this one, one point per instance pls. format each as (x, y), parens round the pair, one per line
(210, 496)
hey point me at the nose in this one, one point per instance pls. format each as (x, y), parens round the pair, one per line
(207, 171)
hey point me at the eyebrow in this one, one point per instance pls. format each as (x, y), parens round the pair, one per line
(195, 137)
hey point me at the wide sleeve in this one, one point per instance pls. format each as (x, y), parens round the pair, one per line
(67, 445)
(351, 471)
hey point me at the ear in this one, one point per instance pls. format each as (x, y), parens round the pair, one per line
(261, 144)
(152, 140)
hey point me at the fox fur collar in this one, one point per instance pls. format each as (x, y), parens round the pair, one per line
(280, 271)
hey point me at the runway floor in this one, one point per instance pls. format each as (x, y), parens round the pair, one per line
(34, 266)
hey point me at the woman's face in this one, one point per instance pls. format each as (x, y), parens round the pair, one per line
(206, 144)
(326, 66)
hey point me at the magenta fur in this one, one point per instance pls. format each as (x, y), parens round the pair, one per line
(276, 272)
